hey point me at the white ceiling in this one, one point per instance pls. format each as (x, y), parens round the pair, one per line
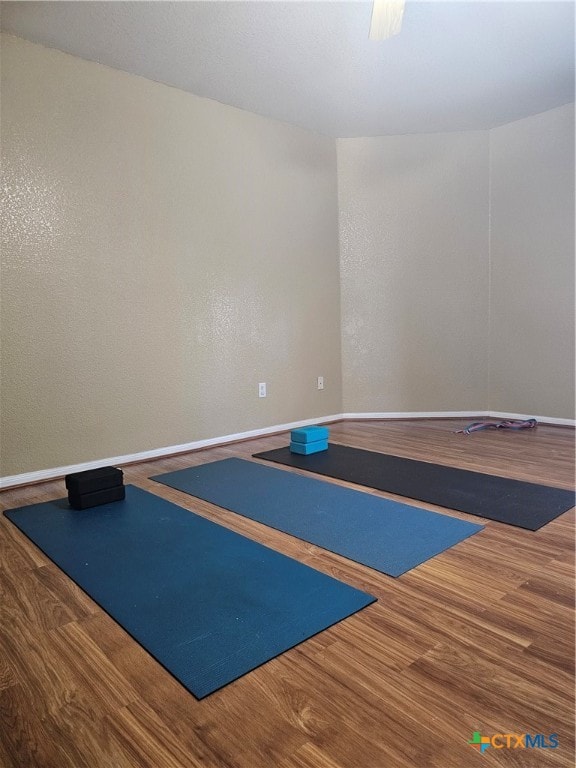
(455, 66)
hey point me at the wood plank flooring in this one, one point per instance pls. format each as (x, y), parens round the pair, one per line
(480, 638)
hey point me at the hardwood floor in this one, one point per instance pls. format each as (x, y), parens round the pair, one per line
(480, 638)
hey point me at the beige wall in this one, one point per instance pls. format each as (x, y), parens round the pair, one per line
(414, 266)
(532, 258)
(162, 254)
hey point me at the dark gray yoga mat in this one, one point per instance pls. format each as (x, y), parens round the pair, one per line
(525, 505)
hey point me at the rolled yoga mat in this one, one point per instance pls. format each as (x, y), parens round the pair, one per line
(207, 603)
(525, 505)
(383, 534)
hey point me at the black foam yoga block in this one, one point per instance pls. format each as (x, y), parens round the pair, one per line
(94, 480)
(96, 498)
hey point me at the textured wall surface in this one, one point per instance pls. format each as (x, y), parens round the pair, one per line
(414, 267)
(162, 254)
(532, 255)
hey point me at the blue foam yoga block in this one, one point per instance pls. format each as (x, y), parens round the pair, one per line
(308, 448)
(309, 434)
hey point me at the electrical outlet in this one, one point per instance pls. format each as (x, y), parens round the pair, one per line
(262, 389)
(320, 382)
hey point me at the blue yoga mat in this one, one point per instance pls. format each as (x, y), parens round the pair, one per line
(207, 603)
(385, 535)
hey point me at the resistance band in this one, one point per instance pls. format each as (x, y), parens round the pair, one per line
(476, 426)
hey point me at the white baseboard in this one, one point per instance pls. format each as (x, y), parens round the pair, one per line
(51, 474)
(457, 415)
(542, 419)
(417, 415)
(27, 478)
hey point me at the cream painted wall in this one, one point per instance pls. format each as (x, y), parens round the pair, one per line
(414, 267)
(532, 257)
(162, 254)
